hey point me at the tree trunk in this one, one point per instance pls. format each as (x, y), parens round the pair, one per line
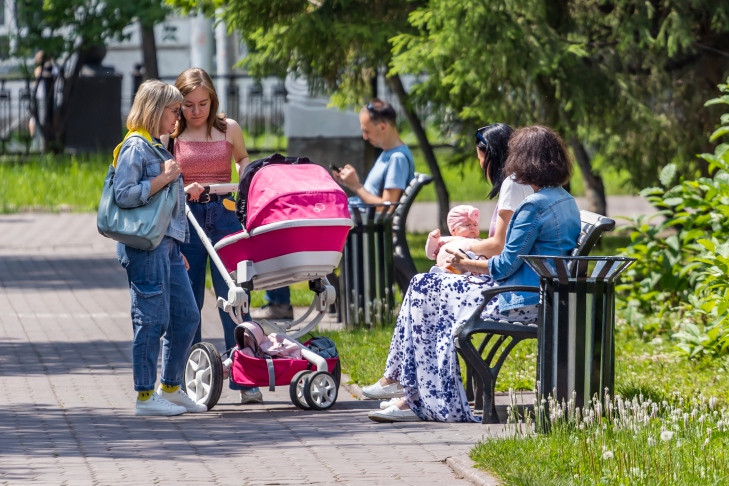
(440, 189)
(594, 188)
(149, 51)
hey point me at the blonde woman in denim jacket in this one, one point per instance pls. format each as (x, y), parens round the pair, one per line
(422, 365)
(162, 304)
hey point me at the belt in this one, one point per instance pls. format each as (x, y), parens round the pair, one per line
(208, 198)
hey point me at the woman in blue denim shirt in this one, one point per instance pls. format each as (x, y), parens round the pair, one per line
(422, 364)
(163, 306)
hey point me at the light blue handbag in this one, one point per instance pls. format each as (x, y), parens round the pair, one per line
(142, 227)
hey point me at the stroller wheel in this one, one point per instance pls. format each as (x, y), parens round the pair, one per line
(296, 389)
(321, 390)
(204, 374)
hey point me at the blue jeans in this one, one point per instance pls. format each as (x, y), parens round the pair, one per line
(162, 307)
(281, 295)
(217, 222)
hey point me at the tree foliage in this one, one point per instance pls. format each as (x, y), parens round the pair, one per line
(338, 46)
(626, 78)
(67, 31)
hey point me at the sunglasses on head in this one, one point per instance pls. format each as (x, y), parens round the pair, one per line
(479, 137)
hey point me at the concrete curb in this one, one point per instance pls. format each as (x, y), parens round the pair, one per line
(466, 469)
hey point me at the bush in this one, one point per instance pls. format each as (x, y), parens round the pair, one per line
(680, 282)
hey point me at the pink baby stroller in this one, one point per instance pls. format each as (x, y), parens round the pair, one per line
(295, 221)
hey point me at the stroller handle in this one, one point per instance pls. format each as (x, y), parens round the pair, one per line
(221, 188)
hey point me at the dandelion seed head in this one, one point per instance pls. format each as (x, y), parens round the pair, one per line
(607, 455)
(712, 403)
(666, 435)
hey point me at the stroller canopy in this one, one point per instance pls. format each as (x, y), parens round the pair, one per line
(280, 188)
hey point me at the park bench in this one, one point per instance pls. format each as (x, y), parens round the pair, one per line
(376, 256)
(483, 363)
(402, 260)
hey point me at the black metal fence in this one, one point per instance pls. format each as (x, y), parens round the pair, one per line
(258, 106)
(15, 117)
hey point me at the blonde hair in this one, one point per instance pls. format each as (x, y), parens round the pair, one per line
(152, 97)
(191, 79)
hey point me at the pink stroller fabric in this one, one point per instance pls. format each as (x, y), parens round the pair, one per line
(281, 192)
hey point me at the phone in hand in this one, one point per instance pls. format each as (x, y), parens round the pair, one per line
(333, 167)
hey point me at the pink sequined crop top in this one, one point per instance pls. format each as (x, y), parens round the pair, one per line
(204, 162)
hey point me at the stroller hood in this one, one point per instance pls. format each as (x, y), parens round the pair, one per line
(285, 188)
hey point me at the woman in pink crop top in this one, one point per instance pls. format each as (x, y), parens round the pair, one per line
(205, 144)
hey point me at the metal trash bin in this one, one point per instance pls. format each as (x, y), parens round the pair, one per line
(367, 272)
(576, 351)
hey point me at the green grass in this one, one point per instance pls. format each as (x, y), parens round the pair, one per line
(73, 183)
(639, 442)
(52, 184)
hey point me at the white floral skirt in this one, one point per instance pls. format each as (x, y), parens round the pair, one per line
(422, 354)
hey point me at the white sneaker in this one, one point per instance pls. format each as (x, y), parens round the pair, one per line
(380, 392)
(388, 403)
(393, 414)
(252, 395)
(179, 397)
(157, 405)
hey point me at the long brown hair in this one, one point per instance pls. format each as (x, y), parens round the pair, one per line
(189, 80)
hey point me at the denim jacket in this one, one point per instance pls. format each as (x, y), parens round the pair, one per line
(136, 164)
(546, 223)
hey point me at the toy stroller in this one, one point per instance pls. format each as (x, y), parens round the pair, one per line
(295, 222)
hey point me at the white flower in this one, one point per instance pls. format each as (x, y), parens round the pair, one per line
(712, 403)
(607, 455)
(666, 435)
(651, 441)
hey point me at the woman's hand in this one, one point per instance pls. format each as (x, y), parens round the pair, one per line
(184, 259)
(461, 263)
(172, 169)
(194, 190)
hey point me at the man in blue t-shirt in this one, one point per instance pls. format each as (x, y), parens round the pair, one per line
(393, 169)
(386, 181)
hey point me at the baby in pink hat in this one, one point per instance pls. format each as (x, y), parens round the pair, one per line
(463, 226)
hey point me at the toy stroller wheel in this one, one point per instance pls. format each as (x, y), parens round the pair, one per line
(321, 390)
(204, 374)
(296, 389)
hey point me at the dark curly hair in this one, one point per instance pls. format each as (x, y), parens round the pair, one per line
(538, 156)
(493, 141)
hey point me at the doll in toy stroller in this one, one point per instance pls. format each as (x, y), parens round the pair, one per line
(295, 222)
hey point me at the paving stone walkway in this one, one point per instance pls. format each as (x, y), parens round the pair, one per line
(68, 403)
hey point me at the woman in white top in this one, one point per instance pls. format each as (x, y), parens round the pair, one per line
(491, 149)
